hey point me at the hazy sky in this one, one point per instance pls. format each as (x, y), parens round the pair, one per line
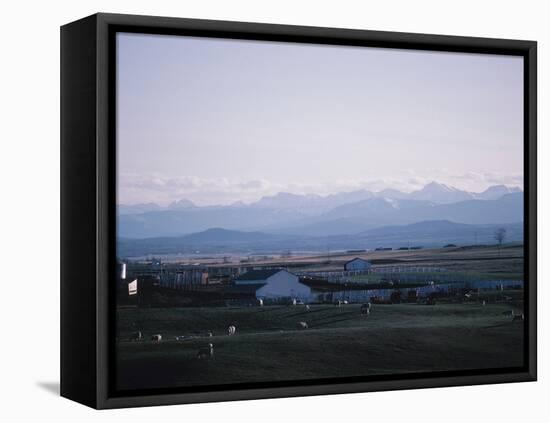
(217, 121)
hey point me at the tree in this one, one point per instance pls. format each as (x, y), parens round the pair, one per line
(500, 236)
(286, 254)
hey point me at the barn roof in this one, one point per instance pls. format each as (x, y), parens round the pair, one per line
(258, 275)
(355, 259)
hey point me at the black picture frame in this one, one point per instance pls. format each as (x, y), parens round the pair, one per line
(88, 152)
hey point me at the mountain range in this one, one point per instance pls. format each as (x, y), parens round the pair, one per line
(434, 192)
(317, 216)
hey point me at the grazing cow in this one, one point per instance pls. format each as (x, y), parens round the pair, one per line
(156, 338)
(206, 351)
(136, 336)
(209, 333)
(508, 313)
(365, 309)
(231, 330)
(307, 307)
(302, 325)
(519, 317)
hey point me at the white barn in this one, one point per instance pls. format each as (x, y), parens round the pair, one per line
(274, 284)
(357, 264)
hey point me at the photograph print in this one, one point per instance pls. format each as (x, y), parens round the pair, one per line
(293, 212)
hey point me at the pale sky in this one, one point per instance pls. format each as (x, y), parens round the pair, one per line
(217, 121)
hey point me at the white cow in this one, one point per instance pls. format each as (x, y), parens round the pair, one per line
(231, 330)
(206, 352)
(136, 336)
(302, 325)
(156, 338)
(365, 309)
(518, 317)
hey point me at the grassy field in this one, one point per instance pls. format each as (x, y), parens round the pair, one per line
(339, 342)
(438, 277)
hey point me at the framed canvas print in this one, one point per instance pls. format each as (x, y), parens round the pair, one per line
(256, 211)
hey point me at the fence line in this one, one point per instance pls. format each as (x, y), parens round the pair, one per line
(422, 291)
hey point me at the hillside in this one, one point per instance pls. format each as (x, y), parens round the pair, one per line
(217, 240)
(348, 218)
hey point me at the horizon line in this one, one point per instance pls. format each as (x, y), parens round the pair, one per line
(312, 194)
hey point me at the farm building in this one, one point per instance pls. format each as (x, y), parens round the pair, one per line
(188, 275)
(357, 264)
(273, 284)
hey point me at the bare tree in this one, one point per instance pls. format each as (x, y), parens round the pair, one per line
(500, 236)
